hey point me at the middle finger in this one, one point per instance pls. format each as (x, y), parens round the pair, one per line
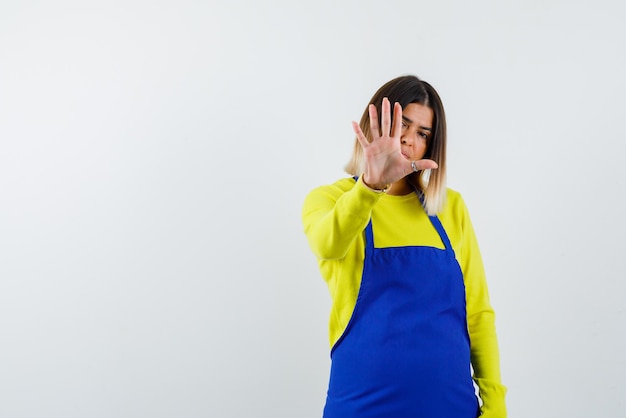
(385, 118)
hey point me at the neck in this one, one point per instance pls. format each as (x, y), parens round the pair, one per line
(400, 188)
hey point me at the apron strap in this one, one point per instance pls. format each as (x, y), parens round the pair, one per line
(436, 223)
(442, 232)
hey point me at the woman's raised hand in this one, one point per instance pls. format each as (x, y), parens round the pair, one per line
(384, 162)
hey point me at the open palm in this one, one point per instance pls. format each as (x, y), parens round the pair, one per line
(384, 162)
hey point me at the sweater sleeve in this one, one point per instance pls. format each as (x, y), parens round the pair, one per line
(481, 324)
(333, 216)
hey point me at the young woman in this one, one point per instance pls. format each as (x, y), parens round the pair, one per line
(411, 325)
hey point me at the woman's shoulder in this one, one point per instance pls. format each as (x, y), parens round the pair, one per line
(343, 184)
(455, 205)
(337, 188)
(453, 197)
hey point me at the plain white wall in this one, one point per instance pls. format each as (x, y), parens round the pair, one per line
(155, 155)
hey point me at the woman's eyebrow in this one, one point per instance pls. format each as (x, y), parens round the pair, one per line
(410, 121)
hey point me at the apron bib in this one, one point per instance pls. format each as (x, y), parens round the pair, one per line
(406, 351)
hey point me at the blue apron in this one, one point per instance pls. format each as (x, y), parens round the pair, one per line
(406, 351)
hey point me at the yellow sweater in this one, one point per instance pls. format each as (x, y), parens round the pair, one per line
(334, 219)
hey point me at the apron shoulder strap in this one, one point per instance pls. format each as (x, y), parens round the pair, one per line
(442, 232)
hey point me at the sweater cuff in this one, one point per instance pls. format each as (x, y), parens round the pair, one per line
(367, 193)
(492, 395)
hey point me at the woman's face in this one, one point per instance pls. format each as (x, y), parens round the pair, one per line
(417, 128)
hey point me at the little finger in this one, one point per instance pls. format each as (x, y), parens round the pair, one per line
(359, 135)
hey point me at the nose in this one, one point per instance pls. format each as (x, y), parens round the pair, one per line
(405, 138)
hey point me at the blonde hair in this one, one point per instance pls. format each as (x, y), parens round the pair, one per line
(431, 184)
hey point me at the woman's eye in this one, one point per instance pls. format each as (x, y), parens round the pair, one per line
(423, 135)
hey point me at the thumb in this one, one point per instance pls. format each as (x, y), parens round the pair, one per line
(423, 165)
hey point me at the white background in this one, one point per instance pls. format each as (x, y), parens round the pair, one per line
(155, 156)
